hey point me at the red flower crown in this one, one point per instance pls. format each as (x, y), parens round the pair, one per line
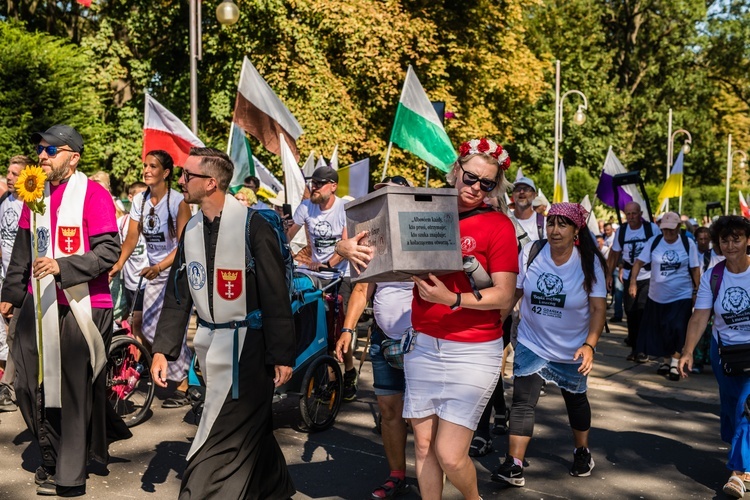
(486, 147)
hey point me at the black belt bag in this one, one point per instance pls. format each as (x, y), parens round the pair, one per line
(735, 359)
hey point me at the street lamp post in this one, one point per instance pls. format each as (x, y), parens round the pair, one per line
(670, 152)
(579, 118)
(227, 13)
(730, 158)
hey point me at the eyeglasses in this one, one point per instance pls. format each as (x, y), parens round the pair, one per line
(318, 184)
(396, 179)
(190, 175)
(470, 179)
(522, 187)
(51, 150)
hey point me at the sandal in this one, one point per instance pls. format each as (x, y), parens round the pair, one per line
(735, 487)
(392, 487)
(480, 447)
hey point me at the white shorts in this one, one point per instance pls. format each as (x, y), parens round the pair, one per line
(453, 380)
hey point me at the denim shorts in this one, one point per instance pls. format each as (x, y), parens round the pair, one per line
(388, 381)
(563, 375)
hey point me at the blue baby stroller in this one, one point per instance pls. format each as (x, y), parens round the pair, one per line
(316, 378)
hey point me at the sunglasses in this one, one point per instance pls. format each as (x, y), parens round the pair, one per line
(396, 179)
(318, 184)
(190, 175)
(470, 179)
(51, 150)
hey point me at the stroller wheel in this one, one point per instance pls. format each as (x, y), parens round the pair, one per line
(130, 388)
(322, 390)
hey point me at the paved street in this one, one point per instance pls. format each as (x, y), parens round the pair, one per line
(651, 438)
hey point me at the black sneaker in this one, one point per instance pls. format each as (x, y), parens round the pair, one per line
(583, 464)
(42, 474)
(509, 473)
(6, 402)
(350, 386)
(501, 424)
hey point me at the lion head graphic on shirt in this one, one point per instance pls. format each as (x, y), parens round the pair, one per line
(549, 284)
(670, 257)
(735, 300)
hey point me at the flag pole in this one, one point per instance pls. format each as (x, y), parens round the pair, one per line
(229, 144)
(427, 175)
(387, 157)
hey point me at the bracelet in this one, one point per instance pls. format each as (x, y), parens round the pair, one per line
(589, 345)
(457, 304)
(348, 330)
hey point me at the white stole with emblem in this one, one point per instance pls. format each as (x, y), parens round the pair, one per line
(214, 348)
(68, 241)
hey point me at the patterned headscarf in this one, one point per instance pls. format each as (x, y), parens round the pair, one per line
(572, 211)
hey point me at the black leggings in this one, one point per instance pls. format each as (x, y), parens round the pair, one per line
(525, 397)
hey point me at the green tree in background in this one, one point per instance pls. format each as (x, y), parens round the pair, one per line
(46, 80)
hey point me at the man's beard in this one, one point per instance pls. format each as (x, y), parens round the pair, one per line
(522, 204)
(319, 199)
(60, 173)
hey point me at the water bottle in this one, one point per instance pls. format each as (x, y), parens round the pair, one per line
(134, 376)
(475, 271)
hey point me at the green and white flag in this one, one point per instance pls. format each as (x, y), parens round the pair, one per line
(241, 155)
(418, 129)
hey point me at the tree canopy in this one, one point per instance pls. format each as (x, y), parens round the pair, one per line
(339, 65)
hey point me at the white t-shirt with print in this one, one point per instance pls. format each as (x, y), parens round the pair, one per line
(555, 307)
(324, 228)
(732, 307)
(155, 225)
(10, 213)
(670, 269)
(391, 306)
(635, 239)
(138, 260)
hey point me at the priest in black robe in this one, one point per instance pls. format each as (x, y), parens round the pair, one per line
(240, 458)
(80, 423)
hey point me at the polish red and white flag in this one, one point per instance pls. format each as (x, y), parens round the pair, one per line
(743, 206)
(163, 130)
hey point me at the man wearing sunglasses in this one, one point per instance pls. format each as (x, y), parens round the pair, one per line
(77, 243)
(324, 220)
(243, 353)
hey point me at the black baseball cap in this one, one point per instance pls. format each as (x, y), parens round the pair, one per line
(60, 135)
(325, 174)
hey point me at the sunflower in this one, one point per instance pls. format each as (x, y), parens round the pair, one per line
(30, 187)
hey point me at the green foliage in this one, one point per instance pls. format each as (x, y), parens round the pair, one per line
(46, 80)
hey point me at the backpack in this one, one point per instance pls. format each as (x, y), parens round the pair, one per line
(717, 276)
(536, 247)
(648, 229)
(277, 225)
(682, 237)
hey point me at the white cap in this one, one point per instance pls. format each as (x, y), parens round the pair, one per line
(278, 200)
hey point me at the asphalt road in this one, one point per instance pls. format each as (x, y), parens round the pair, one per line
(651, 438)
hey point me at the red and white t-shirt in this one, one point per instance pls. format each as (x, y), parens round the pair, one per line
(491, 238)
